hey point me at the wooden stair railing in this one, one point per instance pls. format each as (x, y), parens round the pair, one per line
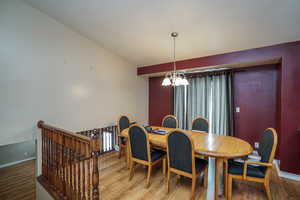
(108, 137)
(69, 163)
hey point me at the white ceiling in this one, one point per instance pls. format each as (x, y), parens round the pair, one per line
(139, 30)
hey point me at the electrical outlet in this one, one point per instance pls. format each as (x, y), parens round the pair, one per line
(256, 145)
(237, 109)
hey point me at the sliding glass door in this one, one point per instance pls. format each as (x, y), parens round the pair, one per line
(209, 96)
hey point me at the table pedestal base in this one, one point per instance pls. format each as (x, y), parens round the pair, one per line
(216, 188)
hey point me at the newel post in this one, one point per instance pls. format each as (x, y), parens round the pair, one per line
(95, 176)
(41, 150)
(40, 124)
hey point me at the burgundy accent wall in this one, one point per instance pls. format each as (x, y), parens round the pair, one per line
(160, 101)
(255, 92)
(289, 116)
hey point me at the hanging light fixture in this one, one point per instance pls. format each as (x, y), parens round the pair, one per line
(174, 78)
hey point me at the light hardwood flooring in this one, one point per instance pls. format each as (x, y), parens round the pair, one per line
(18, 181)
(114, 184)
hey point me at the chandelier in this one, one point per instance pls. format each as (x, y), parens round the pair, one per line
(174, 78)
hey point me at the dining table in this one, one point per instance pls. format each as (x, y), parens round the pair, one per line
(208, 145)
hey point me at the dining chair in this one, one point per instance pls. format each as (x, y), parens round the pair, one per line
(123, 123)
(182, 160)
(141, 152)
(170, 121)
(200, 124)
(257, 171)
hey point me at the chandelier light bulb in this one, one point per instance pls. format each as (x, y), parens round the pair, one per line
(178, 81)
(185, 81)
(166, 81)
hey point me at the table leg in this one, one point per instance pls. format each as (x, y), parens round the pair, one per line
(127, 155)
(225, 176)
(218, 161)
(210, 186)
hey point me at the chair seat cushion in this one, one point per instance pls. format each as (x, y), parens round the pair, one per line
(237, 168)
(200, 164)
(157, 154)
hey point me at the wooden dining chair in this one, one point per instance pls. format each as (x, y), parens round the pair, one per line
(200, 124)
(182, 160)
(257, 171)
(141, 152)
(170, 121)
(123, 123)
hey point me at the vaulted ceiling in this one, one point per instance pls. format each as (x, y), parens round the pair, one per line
(139, 30)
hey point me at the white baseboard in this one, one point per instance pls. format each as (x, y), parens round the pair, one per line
(16, 162)
(284, 174)
(277, 164)
(288, 175)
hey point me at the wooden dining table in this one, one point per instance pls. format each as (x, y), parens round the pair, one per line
(216, 146)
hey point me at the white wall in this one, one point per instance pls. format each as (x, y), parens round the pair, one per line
(49, 72)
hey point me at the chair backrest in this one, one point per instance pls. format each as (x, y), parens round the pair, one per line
(180, 150)
(123, 123)
(170, 121)
(200, 124)
(268, 145)
(139, 143)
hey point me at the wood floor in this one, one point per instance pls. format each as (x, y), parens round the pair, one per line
(18, 181)
(114, 184)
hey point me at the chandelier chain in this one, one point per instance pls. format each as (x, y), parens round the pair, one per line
(174, 58)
